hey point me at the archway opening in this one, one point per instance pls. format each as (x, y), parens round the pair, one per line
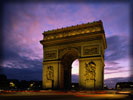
(75, 71)
(67, 61)
(75, 75)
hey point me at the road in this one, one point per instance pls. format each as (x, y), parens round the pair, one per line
(65, 95)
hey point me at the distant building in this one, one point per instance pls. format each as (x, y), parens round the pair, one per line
(14, 84)
(124, 85)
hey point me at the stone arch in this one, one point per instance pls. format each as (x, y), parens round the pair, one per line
(74, 50)
(66, 61)
(85, 42)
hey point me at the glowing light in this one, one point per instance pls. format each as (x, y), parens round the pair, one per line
(12, 84)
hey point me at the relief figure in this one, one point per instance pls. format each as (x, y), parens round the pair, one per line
(50, 73)
(90, 71)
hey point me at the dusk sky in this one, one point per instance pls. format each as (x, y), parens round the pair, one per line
(24, 23)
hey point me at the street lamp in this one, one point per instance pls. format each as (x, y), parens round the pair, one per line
(12, 85)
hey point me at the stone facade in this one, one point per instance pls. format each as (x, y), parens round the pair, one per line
(61, 47)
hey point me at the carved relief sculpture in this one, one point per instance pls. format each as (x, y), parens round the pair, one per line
(90, 50)
(50, 54)
(50, 73)
(90, 71)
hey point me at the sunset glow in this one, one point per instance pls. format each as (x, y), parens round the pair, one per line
(24, 23)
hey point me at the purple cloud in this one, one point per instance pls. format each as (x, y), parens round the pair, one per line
(24, 23)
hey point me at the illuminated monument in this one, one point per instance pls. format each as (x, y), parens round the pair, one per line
(61, 47)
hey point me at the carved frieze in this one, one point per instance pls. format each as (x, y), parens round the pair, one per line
(73, 33)
(50, 54)
(91, 50)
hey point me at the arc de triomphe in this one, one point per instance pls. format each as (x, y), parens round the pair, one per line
(85, 42)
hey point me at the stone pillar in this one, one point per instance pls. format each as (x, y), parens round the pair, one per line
(51, 75)
(91, 73)
(61, 76)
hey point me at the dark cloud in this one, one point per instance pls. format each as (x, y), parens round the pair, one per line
(13, 56)
(20, 67)
(23, 74)
(23, 69)
(113, 68)
(117, 71)
(10, 52)
(117, 48)
(113, 63)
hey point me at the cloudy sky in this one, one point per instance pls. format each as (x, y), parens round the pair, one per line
(24, 23)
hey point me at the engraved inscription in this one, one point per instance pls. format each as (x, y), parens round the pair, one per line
(90, 50)
(50, 54)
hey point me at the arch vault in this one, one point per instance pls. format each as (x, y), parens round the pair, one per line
(61, 47)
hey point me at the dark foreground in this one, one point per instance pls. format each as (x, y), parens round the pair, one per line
(66, 95)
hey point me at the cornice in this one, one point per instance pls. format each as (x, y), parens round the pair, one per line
(75, 27)
(80, 32)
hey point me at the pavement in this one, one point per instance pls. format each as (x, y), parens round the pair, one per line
(66, 95)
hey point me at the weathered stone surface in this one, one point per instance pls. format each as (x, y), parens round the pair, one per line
(90, 50)
(50, 54)
(61, 47)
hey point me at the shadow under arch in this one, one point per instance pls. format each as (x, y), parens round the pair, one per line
(66, 62)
